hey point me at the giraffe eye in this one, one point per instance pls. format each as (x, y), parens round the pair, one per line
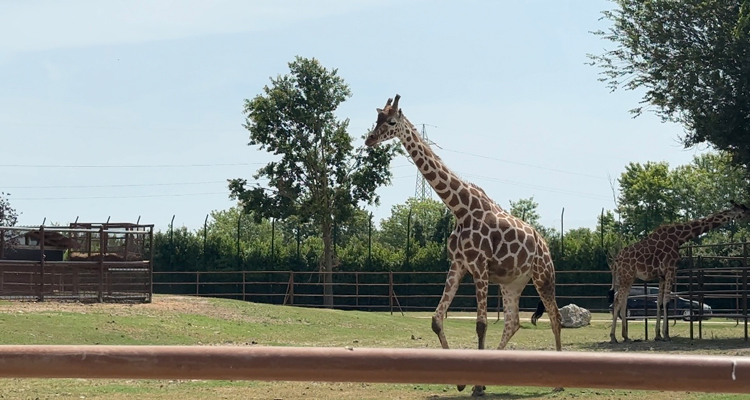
(391, 122)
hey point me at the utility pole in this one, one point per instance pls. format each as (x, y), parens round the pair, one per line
(422, 191)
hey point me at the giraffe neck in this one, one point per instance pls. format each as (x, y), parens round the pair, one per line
(700, 226)
(452, 190)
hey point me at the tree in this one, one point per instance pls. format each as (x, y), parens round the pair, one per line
(526, 210)
(8, 217)
(426, 218)
(647, 197)
(319, 175)
(691, 57)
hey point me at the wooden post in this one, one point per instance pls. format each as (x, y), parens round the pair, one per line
(291, 288)
(356, 289)
(744, 285)
(41, 263)
(2, 244)
(197, 283)
(150, 263)
(244, 284)
(390, 290)
(102, 245)
(645, 310)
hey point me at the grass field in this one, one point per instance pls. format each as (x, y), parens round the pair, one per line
(173, 320)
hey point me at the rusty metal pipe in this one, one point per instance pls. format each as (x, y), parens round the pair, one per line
(725, 374)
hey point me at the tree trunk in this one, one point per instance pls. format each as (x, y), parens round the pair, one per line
(327, 262)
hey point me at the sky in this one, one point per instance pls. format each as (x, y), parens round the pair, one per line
(123, 110)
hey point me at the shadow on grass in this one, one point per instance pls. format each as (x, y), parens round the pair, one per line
(489, 395)
(676, 344)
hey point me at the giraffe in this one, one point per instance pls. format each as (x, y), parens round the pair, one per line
(487, 242)
(656, 256)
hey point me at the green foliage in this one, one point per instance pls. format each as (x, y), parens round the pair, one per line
(690, 56)
(652, 194)
(319, 176)
(8, 217)
(647, 197)
(427, 219)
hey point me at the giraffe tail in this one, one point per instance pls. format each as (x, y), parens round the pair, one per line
(538, 313)
(611, 293)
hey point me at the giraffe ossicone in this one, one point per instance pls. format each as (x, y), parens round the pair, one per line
(487, 242)
(656, 257)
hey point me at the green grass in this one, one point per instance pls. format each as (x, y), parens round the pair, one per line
(194, 321)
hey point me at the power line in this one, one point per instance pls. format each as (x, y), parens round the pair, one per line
(127, 165)
(525, 164)
(120, 197)
(114, 185)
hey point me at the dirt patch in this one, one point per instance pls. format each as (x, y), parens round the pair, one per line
(161, 304)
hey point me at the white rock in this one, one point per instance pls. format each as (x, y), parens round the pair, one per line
(574, 316)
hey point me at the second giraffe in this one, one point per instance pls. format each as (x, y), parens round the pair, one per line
(655, 257)
(487, 242)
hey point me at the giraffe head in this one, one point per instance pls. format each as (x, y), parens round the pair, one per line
(388, 124)
(738, 211)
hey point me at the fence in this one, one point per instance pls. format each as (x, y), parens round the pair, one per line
(722, 280)
(366, 291)
(719, 374)
(99, 262)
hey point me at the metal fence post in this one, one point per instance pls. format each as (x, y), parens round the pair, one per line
(41, 263)
(744, 285)
(390, 290)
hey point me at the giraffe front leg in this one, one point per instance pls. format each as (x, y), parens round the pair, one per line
(659, 302)
(665, 303)
(481, 284)
(455, 274)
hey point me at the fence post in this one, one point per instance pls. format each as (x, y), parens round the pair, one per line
(205, 239)
(244, 284)
(41, 263)
(356, 290)
(369, 241)
(645, 311)
(273, 241)
(408, 237)
(2, 244)
(291, 288)
(197, 283)
(102, 249)
(390, 290)
(744, 285)
(239, 221)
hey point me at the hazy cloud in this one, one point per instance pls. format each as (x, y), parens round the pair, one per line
(47, 24)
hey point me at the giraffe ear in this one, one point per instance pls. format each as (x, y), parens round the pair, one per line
(400, 114)
(379, 110)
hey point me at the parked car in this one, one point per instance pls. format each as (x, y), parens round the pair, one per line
(678, 306)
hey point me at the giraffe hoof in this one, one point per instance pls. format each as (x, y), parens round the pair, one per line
(558, 389)
(461, 388)
(478, 391)
(658, 339)
(613, 341)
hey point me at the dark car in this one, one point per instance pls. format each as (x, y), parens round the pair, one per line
(678, 306)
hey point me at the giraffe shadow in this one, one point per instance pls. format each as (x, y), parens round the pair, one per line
(489, 395)
(676, 344)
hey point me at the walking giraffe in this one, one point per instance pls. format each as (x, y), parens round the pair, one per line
(487, 242)
(656, 256)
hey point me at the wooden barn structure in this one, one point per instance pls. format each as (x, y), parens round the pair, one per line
(92, 262)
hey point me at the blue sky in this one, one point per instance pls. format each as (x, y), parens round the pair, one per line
(153, 90)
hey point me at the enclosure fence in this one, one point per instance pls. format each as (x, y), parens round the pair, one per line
(108, 262)
(615, 370)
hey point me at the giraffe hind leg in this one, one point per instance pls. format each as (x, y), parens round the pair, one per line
(511, 295)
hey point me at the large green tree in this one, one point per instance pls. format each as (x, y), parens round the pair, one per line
(692, 59)
(319, 175)
(647, 197)
(8, 217)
